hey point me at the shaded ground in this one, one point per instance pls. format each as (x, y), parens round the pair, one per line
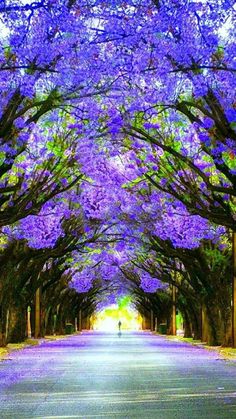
(137, 375)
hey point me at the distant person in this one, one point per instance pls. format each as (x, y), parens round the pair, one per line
(119, 325)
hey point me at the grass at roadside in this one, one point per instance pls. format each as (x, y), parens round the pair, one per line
(4, 352)
(228, 353)
(225, 353)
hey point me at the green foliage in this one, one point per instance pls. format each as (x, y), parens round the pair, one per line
(124, 301)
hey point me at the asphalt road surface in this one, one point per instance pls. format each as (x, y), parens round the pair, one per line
(99, 375)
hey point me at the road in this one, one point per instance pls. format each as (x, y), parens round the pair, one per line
(99, 375)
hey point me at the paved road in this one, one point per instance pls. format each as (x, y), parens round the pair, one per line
(137, 375)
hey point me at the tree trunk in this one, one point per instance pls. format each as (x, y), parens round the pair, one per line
(16, 324)
(211, 324)
(187, 326)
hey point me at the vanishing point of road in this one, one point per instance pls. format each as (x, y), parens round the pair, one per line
(101, 375)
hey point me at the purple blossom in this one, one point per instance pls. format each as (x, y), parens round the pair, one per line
(231, 115)
(149, 284)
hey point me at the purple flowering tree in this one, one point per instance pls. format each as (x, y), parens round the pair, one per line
(117, 129)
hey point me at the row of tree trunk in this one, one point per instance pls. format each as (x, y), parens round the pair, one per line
(205, 323)
(37, 320)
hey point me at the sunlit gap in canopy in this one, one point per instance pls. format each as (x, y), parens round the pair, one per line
(107, 318)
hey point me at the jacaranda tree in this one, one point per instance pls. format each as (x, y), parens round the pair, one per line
(117, 155)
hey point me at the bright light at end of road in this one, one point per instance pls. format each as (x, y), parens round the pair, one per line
(108, 318)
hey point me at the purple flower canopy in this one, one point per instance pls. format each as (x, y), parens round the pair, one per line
(118, 128)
